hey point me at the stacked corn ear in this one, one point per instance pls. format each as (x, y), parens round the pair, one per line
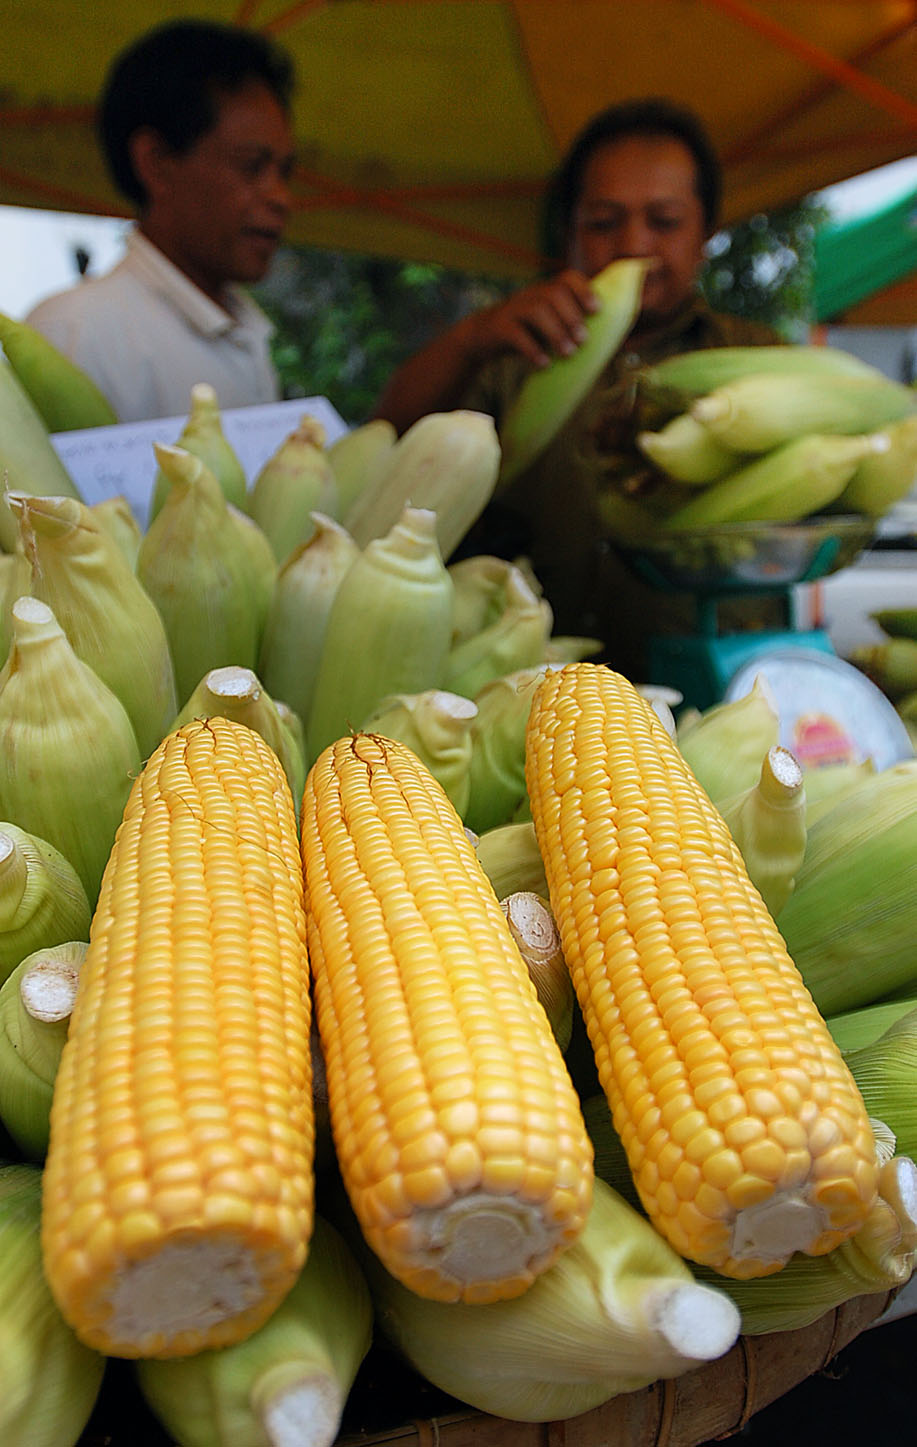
(447, 462)
(68, 751)
(42, 899)
(111, 621)
(36, 1002)
(294, 483)
(51, 1380)
(772, 434)
(388, 629)
(202, 435)
(294, 631)
(196, 567)
(355, 458)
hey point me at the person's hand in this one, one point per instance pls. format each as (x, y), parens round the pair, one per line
(542, 321)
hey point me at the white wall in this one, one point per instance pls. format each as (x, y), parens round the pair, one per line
(37, 252)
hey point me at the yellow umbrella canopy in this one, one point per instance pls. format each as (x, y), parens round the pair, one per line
(426, 128)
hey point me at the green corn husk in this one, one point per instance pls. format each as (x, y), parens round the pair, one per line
(511, 859)
(198, 571)
(550, 395)
(898, 622)
(790, 481)
(35, 1006)
(287, 1384)
(880, 1257)
(724, 745)
(497, 776)
(437, 727)
(617, 1311)
(356, 458)
(479, 585)
(886, 1071)
(237, 693)
(203, 436)
(68, 752)
(446, 462)
(516, 639)
(111, 621)
(64, 396)
(532, 926)
(263, 564)
(295, 482)
(885, 476)
(849, 922)
(687, 451)
(891, 665)
(388, 630)
(293, 725)
(15, 581)
(115, 516)
(42, 901)
(50, 1379)
(827, 785)
(852, 1029)
(757, 413)
(768, 823)
(28, 462)
(294, 631)
(682, 378)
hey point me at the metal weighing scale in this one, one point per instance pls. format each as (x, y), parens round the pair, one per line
(738, 560)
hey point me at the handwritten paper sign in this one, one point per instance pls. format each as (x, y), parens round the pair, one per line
(108, 461)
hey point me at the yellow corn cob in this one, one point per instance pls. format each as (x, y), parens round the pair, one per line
(178, 1186)
(747, 1137)
(458, 1132)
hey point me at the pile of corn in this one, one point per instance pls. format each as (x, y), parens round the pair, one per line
(375, 963)
(765, 435)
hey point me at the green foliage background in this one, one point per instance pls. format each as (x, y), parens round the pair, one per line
(345, 322)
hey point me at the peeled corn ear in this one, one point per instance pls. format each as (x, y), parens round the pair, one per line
(178, 1188)
(457, 1129)
(747, 1137)
(28, 462)
(552, 394)
(295, 482)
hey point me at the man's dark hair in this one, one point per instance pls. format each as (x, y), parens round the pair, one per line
(652, 117)
(171, 80)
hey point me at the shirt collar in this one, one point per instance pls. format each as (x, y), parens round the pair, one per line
(204, 315)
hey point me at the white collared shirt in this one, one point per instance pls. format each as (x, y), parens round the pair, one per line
(146, 335)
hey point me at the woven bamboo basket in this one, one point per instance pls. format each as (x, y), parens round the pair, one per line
(713, 1401)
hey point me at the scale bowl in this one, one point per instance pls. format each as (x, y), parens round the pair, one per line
(749, 557)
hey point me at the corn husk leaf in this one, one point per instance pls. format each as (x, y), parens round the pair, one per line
(515, 639)
(42, 900)
(111, 621)
(437, 726)
(725, 745)
(203, 436)
(35, 1006)
(295, 482)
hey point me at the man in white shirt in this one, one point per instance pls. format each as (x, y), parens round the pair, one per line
(194, 122)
